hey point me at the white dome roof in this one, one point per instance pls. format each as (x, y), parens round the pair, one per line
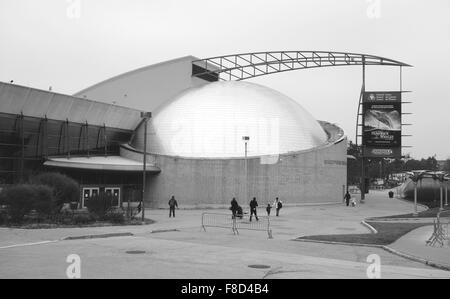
(210, 121)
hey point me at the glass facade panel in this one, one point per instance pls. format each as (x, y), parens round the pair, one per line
(26, 141)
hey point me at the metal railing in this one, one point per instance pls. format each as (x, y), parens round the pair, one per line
(236, 223)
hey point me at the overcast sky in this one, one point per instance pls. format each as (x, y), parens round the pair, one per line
(72, 44)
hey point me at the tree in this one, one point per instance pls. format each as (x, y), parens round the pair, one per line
(446, 165)
(430, 163)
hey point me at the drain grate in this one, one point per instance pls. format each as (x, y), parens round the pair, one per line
(259, 266)
(135, 252)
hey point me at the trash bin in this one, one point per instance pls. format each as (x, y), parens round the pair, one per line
(391, 194)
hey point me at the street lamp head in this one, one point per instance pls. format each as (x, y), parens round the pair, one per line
(245, 138)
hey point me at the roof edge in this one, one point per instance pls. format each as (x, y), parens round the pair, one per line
(141, 69)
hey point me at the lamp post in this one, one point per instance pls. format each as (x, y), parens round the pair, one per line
(363, 176)
(415, 214)
(381, 168)
(415, 177)
(446, 192)
(363, 166)
(446, 182)
(246, 140)
(441, 178)
(146, 116)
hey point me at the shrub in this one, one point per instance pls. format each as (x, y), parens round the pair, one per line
(101, 204)
(3, 217)
(44, 202)
(65, 189)
(19, 200)
(79, 219)
(115, 216)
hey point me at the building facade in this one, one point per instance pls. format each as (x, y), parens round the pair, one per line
(96, 137)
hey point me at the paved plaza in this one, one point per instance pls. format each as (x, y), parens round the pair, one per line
(173, 247)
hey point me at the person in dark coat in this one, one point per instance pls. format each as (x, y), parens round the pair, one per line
(268, 208)
(172, 205)
(253, 206)
(347, 198)
(234, 207)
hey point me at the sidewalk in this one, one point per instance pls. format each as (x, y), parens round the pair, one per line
(176, 246)
(413, 244)
(293, 222)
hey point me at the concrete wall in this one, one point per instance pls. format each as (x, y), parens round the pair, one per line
(146, 88)
(315, 176)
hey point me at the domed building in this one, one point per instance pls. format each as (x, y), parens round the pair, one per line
(210, 121)
(207, 141)
(196, 139)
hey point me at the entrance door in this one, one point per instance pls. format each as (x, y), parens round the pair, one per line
(89, 192)
(115, 192)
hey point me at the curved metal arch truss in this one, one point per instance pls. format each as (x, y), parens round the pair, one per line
(250, 65)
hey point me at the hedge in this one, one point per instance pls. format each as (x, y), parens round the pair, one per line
(20, 200)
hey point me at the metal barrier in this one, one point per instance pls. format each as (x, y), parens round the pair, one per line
(236, 223)
(262, 224)
(217, 220)
(440, 236)
(445, 220)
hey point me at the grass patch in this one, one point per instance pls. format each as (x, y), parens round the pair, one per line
(387, 234)
(431, 213)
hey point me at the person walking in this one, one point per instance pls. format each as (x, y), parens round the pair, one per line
(253, 206)
(268, 208)
(234, 207)
(278, 205)
(172, 205)
(347, 198)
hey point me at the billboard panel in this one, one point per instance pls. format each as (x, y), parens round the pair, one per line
(382, 124)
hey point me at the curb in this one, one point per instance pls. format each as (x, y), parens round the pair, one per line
(416, 259)
(386, 248)
(103, 236)
(338, 243)
(164, 231)
(370, 227)
(424, 220)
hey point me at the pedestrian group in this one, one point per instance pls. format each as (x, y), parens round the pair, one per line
(235, 208)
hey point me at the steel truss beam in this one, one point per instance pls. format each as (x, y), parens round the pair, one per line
(250, 65)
